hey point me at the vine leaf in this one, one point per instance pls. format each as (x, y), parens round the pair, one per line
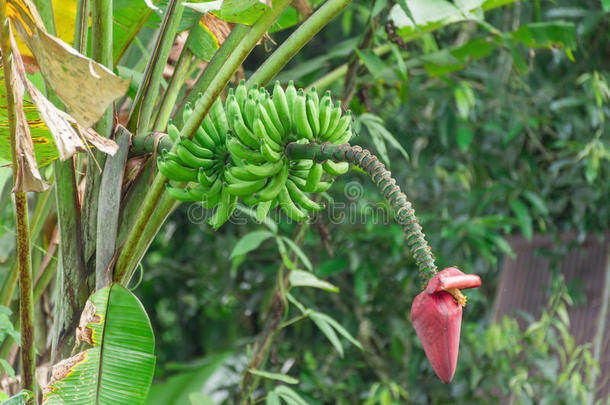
(118, 369)
(83, 85)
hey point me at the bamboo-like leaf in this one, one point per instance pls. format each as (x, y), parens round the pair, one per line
(119, 368)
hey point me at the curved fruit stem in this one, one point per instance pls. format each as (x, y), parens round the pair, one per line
(404, 212)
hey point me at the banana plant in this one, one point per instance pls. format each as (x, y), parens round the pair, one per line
(267, 148)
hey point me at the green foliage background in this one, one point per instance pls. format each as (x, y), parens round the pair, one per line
(502, 140)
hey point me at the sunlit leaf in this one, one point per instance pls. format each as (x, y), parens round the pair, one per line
(250, 242)
(300, 278)
(274, 376)
(118, 369)
(523, 217)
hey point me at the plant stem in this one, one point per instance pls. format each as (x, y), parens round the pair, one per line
(341, 70)
(128, 259)
(296, 41)
(26, 306)
(218, 60)
(405, 215)
(24, 260)
(146, 98)
(101, 51)
(109, 208)
(181, 73)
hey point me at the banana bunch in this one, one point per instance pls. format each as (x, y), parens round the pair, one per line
(203, 163)
(239, 152)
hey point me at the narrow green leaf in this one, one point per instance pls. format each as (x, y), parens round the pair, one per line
(274, 376)
(290, 396)
(250, 242)
(464, 137)
(299, 252)
(536, 201)
(328, 331)
(272, 399)
(339, 328)
(523, 217)
(372, 62)
(19, 399)
(7, 368)
(300, 278)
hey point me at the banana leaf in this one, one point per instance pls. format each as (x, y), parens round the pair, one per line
(119, 368)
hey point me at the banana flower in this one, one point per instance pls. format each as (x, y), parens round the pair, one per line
(436, 314)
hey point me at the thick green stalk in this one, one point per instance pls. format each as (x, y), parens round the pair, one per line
(24, 259)
(128, 259)
(101, 51)
(218, 60)
(181, 73)
(109, 208)
(403, 210)
(146, 98)
(297, 40)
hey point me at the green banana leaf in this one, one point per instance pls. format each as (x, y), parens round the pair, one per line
(118, 370)
(44, 146)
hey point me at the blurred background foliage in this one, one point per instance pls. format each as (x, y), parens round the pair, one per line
(494, 126)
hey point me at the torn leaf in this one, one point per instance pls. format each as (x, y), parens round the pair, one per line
(69, 137)
(86, 87)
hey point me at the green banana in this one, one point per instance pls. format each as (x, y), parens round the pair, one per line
(270, 154)
(240, 152)
(204, 179)
(315, 175)
(204, 140)
(289, 207)
(178, 194)
(189, 159)
(335, 168)
(347, 135)
(250, 110)
(314, 95)
(244, 134)
(313, 115)
(241, 93)
(219, 117)
(254, 92)
(301, 164)
(320, 187)
(215, 188)
(224, 209)
(240, 173)
(197, 150)
(262, 134)
(299, 114)
(326, 108)
(339, 130)
(291, 96)
(175, 171)
(210, 129)
(266, 169)
(272, 130)
(186, 113)
(173, 132)
(301, 198)
(275, 117)
(233, 108)
(335, 116)
(249, 200)
(281, 105)
(262, 209)
(273, 187)
(245, 187)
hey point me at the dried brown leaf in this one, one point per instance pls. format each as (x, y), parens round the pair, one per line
(83, 85)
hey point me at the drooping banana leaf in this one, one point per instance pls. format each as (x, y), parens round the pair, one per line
(118, 369)
(44, 146)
